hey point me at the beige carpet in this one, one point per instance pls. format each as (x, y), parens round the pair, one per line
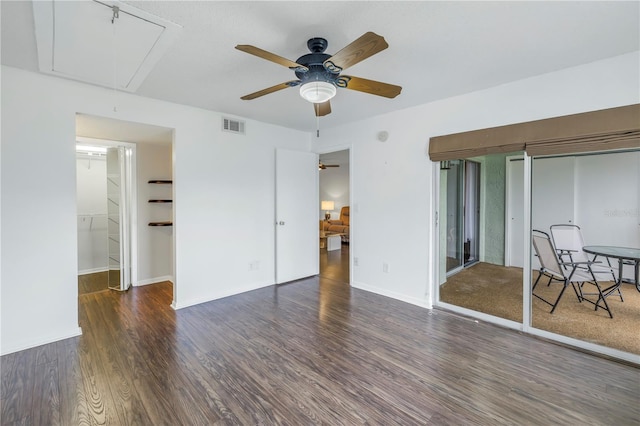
(497, 290)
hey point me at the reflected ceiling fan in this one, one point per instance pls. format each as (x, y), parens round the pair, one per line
(322, 166)
(319, 74)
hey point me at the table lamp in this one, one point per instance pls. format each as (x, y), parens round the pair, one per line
(327, 206)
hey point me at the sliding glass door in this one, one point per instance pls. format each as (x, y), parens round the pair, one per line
(473, 273)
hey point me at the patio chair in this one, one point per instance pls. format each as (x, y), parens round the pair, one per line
(564, 272)
(568, 242)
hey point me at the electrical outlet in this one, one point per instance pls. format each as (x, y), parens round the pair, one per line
(254, 266)
(385, 267)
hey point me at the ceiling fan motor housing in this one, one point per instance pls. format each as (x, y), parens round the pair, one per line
(314, 61)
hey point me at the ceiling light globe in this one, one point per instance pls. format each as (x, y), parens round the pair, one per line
(317, 92)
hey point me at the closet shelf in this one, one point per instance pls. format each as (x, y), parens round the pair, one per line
(161, 201)
(160, 181)
(160, 223)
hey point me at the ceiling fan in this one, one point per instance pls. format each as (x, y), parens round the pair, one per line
(319, 74)
(322, 166)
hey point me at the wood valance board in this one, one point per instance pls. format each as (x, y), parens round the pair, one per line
(603, 130)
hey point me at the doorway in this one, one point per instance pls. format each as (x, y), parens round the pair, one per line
(105, 196)
(335, 232)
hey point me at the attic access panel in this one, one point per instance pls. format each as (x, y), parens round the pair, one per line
(78, 40)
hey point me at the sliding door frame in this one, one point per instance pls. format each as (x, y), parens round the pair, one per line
(526, 325)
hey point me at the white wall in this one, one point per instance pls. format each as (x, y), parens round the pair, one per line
(224, 187)
(393, 210)
(155, 243)
(223, 204)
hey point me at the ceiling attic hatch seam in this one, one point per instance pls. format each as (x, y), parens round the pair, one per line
(72, 38)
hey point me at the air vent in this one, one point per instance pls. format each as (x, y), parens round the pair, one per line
(233, 126)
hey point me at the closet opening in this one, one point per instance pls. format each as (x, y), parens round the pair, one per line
(105, 197)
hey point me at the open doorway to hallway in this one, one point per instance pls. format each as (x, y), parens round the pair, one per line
(334, 214)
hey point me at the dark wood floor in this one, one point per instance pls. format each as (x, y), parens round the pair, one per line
(89, 283)
(334, 264)
(315, 351)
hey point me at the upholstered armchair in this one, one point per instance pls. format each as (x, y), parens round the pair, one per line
(340, 225)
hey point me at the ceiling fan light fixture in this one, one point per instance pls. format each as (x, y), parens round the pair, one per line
(317, 92)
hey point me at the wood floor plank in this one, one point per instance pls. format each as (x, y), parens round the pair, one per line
(316, 351)
(18, 380)
(45, 406)
(73, 401)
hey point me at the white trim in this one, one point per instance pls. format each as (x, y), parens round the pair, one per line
(155, 280)
(424, 303)
(92, 271)
(526, 250)
(233, 292)
(481, 316)
(433, 261)
(584, 345)
(32, 343)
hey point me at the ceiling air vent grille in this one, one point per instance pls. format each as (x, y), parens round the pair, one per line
(233, 126)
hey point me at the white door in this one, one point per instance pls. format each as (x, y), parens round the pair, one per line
(514, 252)
(297, 232)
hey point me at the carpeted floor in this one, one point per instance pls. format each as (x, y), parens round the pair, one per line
(497, 290)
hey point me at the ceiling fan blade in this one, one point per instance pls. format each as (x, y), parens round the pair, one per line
(268, 90)
(322, 109)
(260, 53)
(373, 87)
(331, 165)
(367, 45)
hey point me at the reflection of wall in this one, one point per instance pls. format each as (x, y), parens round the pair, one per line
(92, 213)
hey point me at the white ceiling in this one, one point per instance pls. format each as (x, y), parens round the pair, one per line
(436, 49)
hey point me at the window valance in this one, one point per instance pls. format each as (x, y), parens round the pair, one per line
(613, 128)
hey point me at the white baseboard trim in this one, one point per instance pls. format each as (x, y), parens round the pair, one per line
(92, 271)
(32, 343)
(155, 280)
(423, 303)
(213, 297)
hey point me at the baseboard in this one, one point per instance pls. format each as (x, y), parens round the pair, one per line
(92, 271)
(211, 298)
(155, 280)
(41, 341)
(397, 296)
